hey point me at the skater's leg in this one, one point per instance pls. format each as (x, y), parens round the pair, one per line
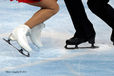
(84, 28)
(102, 9)
(48, 9)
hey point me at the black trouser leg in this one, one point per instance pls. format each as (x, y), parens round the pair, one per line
(102, 9)
(84, 28)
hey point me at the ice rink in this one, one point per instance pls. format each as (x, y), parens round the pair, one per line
(53, 59)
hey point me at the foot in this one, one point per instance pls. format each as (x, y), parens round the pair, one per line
(77, 41)
(20, 35)
(36, 34)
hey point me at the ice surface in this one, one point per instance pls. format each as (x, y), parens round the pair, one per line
(53, 59)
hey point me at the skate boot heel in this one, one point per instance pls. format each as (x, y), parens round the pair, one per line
(92, 42)
(11, 37)
(76, 46)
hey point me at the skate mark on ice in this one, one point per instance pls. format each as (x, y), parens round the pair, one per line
(4, 35)
(63, 57)
(72, 70)
(104, 47)
(48, 60)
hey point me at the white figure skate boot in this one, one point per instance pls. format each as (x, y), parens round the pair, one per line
(36, 34)
(20, 35)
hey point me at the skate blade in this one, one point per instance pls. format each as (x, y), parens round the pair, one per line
(22, 51)
(76, 47)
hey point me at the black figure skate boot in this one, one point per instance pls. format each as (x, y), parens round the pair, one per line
(77, 41)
